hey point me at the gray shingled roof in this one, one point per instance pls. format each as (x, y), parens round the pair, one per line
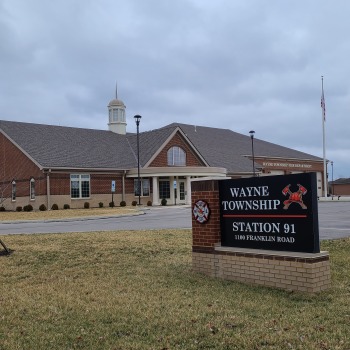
(341, 181)
(150, 142)
(57, 146)
(226, 148)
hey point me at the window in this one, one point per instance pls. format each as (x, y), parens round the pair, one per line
(13, 190)
(80, 186)
(145, 188)
(122, 115)
(164, 189)
(32, 189)
(176, 156)
(117, 115)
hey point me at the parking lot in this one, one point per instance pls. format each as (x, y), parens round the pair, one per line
(334, 221)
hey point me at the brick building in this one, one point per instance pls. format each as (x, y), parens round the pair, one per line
(340, 187)
(46, 164)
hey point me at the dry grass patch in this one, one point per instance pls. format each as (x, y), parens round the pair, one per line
(136, 290)
(66, 214)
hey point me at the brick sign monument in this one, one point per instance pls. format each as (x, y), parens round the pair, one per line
(261, 230)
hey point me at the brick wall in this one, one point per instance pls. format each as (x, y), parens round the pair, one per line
(303, 272)
(99, 183)
(340, 189)
(191, 158)
(59, 184)
(206, 236)
(15, 165)
(103, 183)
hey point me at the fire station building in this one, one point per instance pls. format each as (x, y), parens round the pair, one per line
(46, 164)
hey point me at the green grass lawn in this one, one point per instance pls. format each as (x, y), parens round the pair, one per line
(136, 290)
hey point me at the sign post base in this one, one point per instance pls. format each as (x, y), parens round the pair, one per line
(303, 272)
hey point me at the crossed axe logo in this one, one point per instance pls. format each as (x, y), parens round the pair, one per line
(294, 197)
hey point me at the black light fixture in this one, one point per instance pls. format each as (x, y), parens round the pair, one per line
(137, 120)
(252, 132)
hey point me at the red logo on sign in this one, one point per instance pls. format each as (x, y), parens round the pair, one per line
(294, 197)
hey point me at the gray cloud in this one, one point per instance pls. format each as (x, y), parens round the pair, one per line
(232, 64)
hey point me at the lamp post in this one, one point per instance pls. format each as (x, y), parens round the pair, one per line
(332, 180)
(252, 132)
(137, 120)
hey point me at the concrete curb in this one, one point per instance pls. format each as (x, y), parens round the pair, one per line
(79, 218)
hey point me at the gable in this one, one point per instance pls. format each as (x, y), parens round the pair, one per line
(14, 164)
(192, 159)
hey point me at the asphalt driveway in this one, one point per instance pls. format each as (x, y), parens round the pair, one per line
(334, 221)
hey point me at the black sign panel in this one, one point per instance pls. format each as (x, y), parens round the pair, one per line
(271, 212)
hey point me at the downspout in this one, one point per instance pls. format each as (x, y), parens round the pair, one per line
(48, 189)
(123, 186)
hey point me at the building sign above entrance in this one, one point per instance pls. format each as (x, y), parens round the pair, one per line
(272, 212)
(286, 165)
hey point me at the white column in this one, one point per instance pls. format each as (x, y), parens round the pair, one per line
(155, 190)
(123, 186)
(172, 197)
(188, 189)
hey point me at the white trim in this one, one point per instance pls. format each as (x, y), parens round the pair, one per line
(177, 171)
(89, 170)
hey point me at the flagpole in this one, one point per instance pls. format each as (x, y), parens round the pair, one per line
(323, 105)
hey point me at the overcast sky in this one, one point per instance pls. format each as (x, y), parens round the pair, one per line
(242, 65)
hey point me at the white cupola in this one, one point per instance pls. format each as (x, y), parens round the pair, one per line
(116, 116)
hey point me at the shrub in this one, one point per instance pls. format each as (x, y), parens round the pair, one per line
(66, 206)
(54, 206)
(111, 204)
(86, 205)
(2, 208)
(18, 208)
(164, 201)
(134, 203)
(123, 204)
(28, 207)
(149, 203)
(100, 205)
(42, 207)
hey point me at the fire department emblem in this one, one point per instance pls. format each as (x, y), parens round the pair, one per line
(294, 197)
(201, 211)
